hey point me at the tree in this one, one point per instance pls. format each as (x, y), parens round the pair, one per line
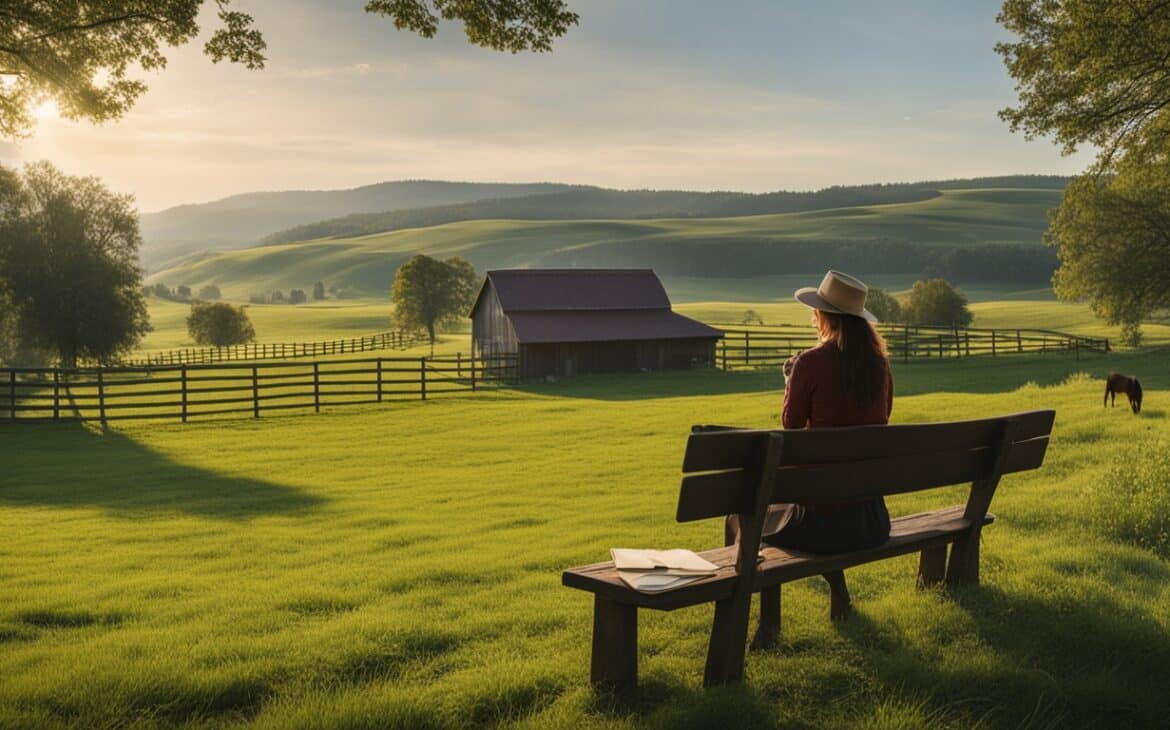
(81, 53)
(276, 297)
(297, 296)
(751, 316)
(210, 293)
(318, 291)
(883, 306)
(936, 302)
(69, 260)
(1091, 72)
(429, 293)
(1113, 235)
(182, 291)
(219, 324)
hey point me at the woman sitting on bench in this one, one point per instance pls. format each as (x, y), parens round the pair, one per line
(844, 381)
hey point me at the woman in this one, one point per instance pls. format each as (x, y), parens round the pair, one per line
(844, 381)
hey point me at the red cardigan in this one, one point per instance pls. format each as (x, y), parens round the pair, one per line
(814, 396)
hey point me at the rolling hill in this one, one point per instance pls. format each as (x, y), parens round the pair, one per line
(241, 220)
(911, 237)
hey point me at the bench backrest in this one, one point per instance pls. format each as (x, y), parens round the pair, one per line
(742, 471)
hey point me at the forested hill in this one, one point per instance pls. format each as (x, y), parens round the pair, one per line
(584, 203)
(242, 220)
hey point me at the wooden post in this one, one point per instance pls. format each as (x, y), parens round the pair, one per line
(958, 352)
(379, 376)
(255, 395)
(614, 663)
(56, 394)
(932, 566)
(473, 370)
(906, 343)
(101, 398)
(993, 343)
(940, 347)
(422, 373)
(747, 348)
(12, 394)
(183, 390)
(316, 387)
(459, 364)
(967, 342)
(1019, 342)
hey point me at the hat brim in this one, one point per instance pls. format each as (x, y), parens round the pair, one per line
(809, 297)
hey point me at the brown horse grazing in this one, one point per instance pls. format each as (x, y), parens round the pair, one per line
(1117, 383)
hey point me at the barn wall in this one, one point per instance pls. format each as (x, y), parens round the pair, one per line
(491, 331)
(581, 358)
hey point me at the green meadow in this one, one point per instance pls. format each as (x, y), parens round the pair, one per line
(399, 566)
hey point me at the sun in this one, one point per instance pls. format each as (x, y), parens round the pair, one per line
(46, 110)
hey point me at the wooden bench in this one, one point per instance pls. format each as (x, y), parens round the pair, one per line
(742, 471)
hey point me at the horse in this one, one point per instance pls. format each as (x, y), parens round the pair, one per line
(1118, 383)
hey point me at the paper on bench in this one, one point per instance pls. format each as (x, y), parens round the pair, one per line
(672, 562)
(654, 571)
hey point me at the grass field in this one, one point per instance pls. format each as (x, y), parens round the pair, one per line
(399, 566)
(367, 263)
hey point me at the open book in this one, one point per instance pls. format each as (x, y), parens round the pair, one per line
(654, 571)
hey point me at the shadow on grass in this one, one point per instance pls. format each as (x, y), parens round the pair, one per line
(70, 465)
(1055, 661)
(657, 704)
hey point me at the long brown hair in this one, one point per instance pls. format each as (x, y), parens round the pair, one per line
(861, 354)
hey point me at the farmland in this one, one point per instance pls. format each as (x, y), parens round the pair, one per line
(399, 566)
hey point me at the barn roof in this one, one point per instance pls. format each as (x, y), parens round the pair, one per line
(527, 290)
(606, 326)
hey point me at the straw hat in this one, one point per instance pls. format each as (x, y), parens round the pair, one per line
(838, 293)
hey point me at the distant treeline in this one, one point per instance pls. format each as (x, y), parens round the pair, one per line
(599, 203)
(758, 257)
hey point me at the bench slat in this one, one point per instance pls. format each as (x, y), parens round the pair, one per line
(728, 449)
(907, 535)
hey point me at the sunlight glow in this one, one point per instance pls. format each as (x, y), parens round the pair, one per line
(46, 110)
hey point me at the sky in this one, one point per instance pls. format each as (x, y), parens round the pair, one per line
(663, 94)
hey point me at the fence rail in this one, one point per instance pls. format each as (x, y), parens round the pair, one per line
(280, 350)
(183, 392)
(770, 345)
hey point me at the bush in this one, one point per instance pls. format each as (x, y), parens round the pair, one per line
(1131, 334)
(937, 302)
(219, 324)
(297, 296)
(1132, 503)
(883, 306)
(210, 293)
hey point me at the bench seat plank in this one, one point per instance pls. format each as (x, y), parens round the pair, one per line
(908, 534)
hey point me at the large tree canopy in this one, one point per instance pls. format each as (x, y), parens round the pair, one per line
(1098, 72)
(69, 260)
(1090, 71)
(81, 53)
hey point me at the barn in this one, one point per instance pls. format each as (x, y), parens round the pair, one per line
(566, 322)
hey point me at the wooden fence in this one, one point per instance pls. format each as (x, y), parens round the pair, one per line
(183, 392)
(280, 350)
(768, 346)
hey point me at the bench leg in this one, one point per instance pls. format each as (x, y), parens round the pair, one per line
(725, 653)
(964, 565)
(932, 566)
(839, 604)
(768, 632)
(615, 646)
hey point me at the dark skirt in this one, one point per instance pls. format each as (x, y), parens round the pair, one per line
(842, 529)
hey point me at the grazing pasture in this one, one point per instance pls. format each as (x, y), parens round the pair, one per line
(399, 566)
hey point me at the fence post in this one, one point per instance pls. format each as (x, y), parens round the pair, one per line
(906, 343)
(422, 371)
(967, 342)
(316, 387)
(473, 370)
(183, 391)
(255, 395)
(723, 344)
(459, 364)
(56, 394)
(940, 346)
(993, 343)
(1019, 342)
(101, 397)
(379, 380)
(958, 352)
(747, 348)
(12, 394)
